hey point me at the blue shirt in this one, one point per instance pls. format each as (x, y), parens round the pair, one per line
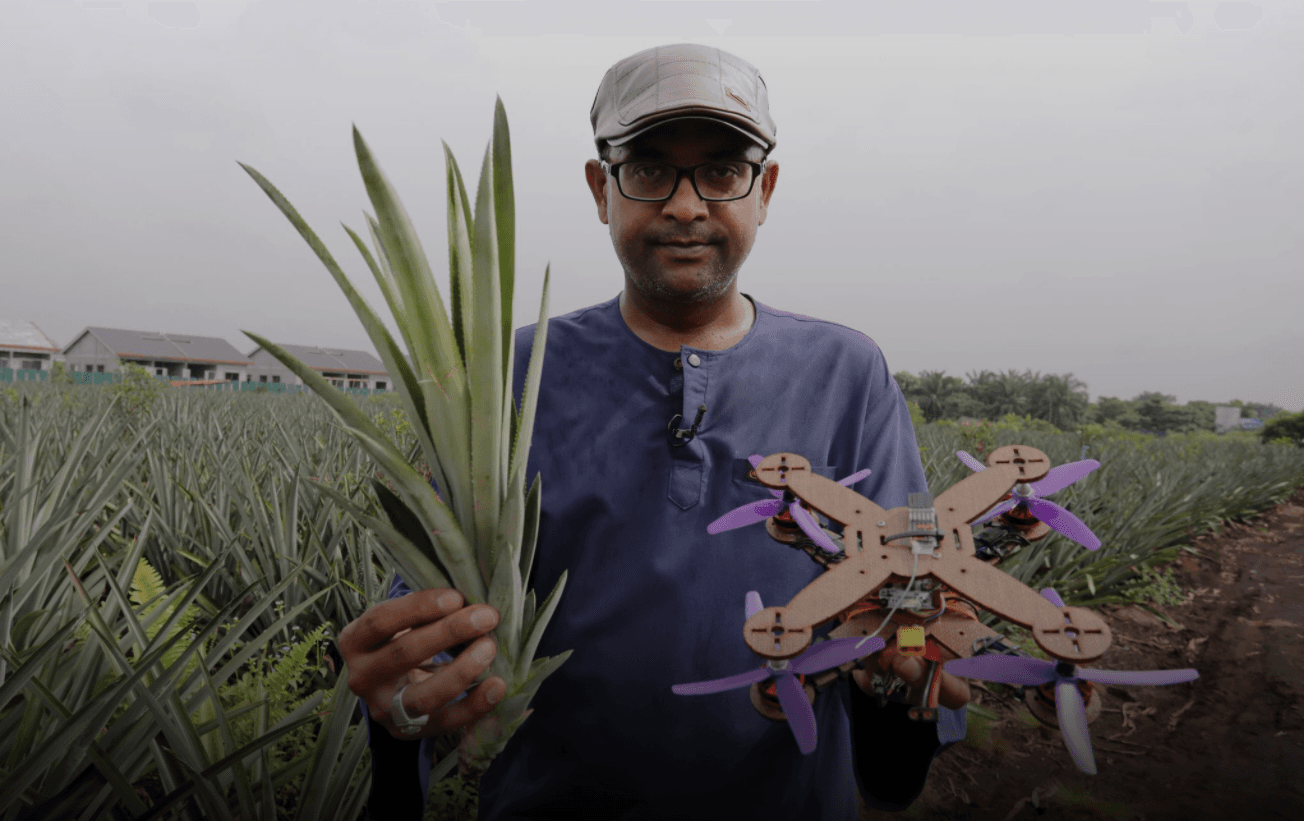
(651, 599)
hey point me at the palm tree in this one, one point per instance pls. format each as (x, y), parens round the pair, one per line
(937, 394)
(999, 394)
(1060, 400)
(907, 382)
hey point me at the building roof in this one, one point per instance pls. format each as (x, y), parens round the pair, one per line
(21, 335)
(333, 359)
(175, 347)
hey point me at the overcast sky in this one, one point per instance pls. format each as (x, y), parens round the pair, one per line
(1108, 188)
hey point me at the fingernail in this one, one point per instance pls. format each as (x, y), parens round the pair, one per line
(495, 693)
(447, 601)
(483, 619)
(483, 652)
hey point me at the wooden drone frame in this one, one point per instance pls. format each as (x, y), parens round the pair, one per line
(878, 550)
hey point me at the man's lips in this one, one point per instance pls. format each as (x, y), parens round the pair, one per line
(676, 249)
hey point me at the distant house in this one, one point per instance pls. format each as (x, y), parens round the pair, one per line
(181, 356)
(24, 347)
(342, 368)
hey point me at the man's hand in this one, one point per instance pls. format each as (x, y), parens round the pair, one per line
(389, 646)
(953, 694)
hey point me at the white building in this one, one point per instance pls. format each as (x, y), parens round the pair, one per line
(23, 347)
(342, 368)
(106, 350)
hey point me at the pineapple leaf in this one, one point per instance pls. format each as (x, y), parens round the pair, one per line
(389, 352)
(519, 697)
(460, 247)
(18, 636)
(539, 624)
(504, 208)
(417, 568)
(433, 335)
(530, 533)
(485, 372)
(505, 595)
(443, 375)
(527, 612)
(414, 404)
(407, 524)
(530, 398)
(450, 543)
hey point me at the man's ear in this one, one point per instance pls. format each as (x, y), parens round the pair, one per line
(769, 177)
(597, 181)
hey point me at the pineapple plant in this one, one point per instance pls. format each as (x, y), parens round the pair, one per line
(457, 394)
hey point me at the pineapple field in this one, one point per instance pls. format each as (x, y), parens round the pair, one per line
(170, 578)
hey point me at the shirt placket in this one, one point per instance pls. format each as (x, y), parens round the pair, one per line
(686, 465)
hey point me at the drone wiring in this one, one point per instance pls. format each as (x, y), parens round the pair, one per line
(888, 619)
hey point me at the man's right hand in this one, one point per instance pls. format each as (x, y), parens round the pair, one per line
(391, 644)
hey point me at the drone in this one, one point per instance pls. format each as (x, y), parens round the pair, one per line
(905, 571)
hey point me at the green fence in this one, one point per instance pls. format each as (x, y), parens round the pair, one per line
(84, 378)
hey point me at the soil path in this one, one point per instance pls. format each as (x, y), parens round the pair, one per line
(1228, 745)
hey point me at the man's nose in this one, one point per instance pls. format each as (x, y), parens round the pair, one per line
(684, 198)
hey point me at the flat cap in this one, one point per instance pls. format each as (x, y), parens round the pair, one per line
(685, 80)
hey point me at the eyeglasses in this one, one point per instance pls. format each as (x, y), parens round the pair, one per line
(657, 181)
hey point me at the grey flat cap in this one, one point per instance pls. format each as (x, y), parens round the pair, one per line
(681, 81)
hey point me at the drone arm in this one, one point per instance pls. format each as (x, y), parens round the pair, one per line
(839, 503)
(996, 591)
(829, 594)
(977, 493)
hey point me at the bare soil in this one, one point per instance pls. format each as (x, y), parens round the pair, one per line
(1228, 745)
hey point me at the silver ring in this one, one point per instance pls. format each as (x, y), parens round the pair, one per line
(408, 725)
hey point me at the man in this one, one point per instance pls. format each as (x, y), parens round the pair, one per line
(634, 470)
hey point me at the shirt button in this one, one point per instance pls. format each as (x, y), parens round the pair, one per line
(679, 363)
(694, 360)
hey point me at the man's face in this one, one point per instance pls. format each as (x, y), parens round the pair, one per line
(640, 229)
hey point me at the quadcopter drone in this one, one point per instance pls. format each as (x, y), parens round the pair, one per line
(904, 571)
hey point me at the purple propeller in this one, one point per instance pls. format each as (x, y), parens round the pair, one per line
(1072, 714)
(1030, 496)
(792, 698)
(753, 512)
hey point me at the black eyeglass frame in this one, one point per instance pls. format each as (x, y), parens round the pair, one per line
(680, 173)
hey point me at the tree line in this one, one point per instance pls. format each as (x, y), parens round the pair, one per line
(1061, 400)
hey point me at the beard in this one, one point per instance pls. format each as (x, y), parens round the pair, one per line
(661, 279)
